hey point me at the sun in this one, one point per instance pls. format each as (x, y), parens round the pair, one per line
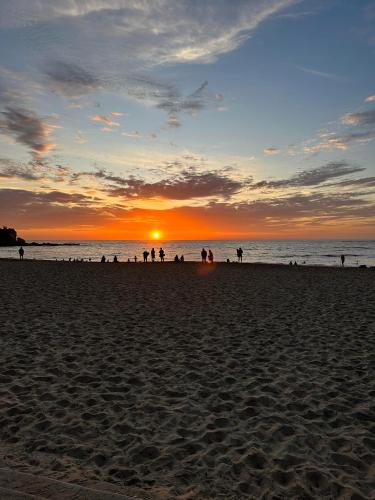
(155, 235)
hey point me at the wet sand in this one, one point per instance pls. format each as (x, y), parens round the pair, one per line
(182, 381)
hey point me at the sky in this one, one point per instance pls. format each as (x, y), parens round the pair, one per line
(196, 119)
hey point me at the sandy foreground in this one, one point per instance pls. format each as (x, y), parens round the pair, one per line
(182, 381)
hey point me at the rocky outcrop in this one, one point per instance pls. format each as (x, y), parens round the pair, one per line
(9, 238)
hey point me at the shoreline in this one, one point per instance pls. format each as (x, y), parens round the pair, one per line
(191, 262)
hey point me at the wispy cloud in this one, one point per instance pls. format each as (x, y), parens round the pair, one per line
(359, 129)
(111, 42)
(155, 31)
(32, 171)
(27, 128)
(339, 141)
(312, 177)
(104, 119)
(80, 137)
(271, 151)
(322, 74)
(296, 15)
(70, 78)
(134, 134)
(361, 118)
(168, 98)
(370, 98)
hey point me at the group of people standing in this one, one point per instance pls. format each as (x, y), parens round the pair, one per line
(153, 255)
(207, 256)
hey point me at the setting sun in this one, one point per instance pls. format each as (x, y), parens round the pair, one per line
(155, 235)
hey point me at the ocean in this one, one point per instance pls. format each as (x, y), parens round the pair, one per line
(305, 252)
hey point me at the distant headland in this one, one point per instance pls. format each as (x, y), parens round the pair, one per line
(9, 238)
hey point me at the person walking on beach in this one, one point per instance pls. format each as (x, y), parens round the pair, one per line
(115, 258)
(182, 258)
(21, 251)
(204, 255)
(342, 260)
(102, 259)
(153, 254)
(145, 256)
(210, 256)
(239, 254)
(161, 255)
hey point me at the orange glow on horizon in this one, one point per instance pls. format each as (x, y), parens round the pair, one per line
(181, 224)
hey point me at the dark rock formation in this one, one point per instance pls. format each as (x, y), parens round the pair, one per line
(9, 238)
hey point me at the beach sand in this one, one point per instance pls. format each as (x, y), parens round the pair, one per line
(182, 381)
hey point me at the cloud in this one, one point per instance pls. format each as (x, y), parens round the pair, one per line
(70, 79)
(322, 74)
(313, 177)
(271, 151)
(173, 121)
(143, 89)
(104, 119)
(27, 128)
(134, 134)
(53, 209)
(99, 45)
(185, 185)
(342, 142)
(32, 171)
(168, 98)
(80, 137)
(359, 119)
(296, 15)
(365, 182)
(17, 89)
(152, 32)
(370, 98)
(289, 214)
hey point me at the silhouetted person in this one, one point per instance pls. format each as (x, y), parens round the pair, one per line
(182, 259)
(102, 259)
(239, 254)
(153, 254)
(176, 259)
(145, 256)
(290, 263)
(210, 256)
(204, 255)
(228, 261)
(295, 263)
(21, 251)
(115, 258)
(161, 255)
(135, 258)
(342, 260)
